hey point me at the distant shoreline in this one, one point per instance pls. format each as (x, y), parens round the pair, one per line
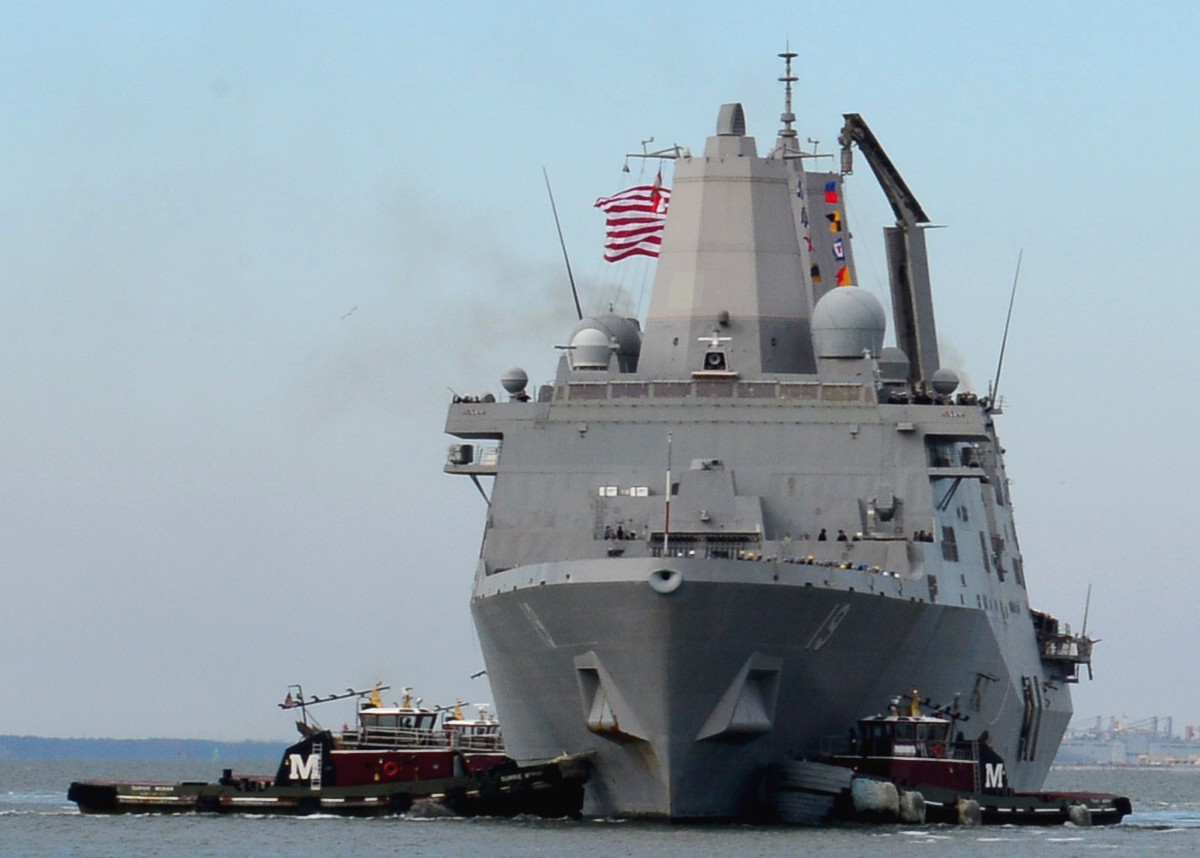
(1101, 767)
(200, 750)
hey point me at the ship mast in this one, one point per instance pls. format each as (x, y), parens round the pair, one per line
(788, 143)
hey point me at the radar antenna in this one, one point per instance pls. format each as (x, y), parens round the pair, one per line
(1012, 297)
(563, 244)
(1087, 605)
(295, 700)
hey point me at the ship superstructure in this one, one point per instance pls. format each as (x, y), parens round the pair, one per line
(711, 544)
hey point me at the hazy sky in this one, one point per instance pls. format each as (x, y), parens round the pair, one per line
(217, 483)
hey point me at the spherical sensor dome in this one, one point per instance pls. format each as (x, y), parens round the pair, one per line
(893, 365)
(590, 348)
(515, 380)
(846, 322)
(944, 381)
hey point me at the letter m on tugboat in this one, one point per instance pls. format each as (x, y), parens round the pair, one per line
(306, 768)
(993, 776)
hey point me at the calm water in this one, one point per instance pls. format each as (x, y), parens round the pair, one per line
(36, 820)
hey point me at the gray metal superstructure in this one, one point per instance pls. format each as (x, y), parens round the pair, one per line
(662, 581)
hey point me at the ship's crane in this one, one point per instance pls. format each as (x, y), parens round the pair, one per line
(908, 264)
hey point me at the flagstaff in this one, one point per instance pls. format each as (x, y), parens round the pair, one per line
(667, 503)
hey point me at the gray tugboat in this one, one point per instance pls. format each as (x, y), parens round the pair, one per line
(808, 522)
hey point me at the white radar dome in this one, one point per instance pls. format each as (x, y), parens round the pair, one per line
(846, 322)
(590, 348)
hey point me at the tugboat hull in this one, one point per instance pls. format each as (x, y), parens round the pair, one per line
(552, 790)
(315, 776)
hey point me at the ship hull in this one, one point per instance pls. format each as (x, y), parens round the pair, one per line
(684, 686)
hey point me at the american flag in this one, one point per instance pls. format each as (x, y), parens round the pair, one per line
(634, 220)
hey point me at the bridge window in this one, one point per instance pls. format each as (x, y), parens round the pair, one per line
(949, 544)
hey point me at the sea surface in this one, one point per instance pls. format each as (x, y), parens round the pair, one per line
(37, 820)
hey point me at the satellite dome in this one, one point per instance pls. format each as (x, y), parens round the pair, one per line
(590, 348)
(846, 322)
(944, 381)
(514, 380)
(893, 366)
(597, 337)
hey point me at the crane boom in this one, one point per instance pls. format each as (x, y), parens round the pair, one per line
(908, 263)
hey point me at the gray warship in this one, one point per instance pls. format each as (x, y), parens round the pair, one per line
(810, 524)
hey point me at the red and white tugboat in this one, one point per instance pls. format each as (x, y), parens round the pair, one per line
(915, 765)
(402, 742)
(394, 756)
